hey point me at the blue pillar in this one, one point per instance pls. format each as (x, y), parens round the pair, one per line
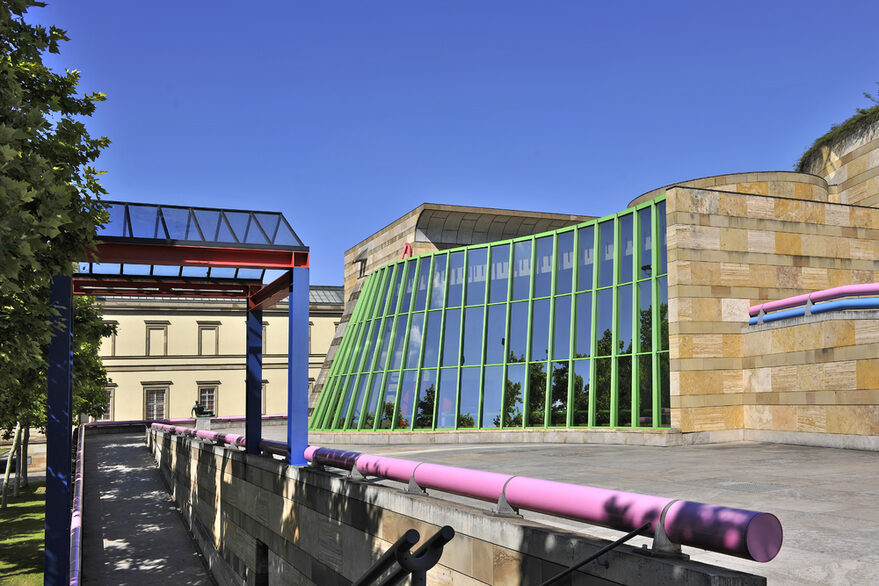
(297, 368)
(253, 386)
(58, 434)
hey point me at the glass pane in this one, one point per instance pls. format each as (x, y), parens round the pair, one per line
(374, 396)
(543, 269)
(346, 401)
(469, 406)
(645, 316)
(495, 332)
(224, 232)
(476, 270)
(285, 235)
(358, 400)
(558, 407)
(581, 392)
(517, 344)
(223, 272)
(536, 394)
(624, 391)
(143, 222)
(394, 291)
(605, 323)
(491, 396)
(115, 225)
(415, 331)
(408, 286)
(583, 336)
(472, 353)
(456, 279)
(369, 351)
(250, 273)
(378, 302)
(645, 390)
(663, 313)
(269, 224)
(432, 341)
(627, 247)
(451, 337)
(564, 263)
(602, 391)
(389, 401)
(660, 238)
(606, 254)
(514, 387)
(255, 234)
(239, 222)
(439, 282)
(194, 271)
(645, 258)
(407, 395)
(399, 340)
(387, 329)
(624, 329)
(561, 343)
(178, 223)
(587, 257)
(447, 397)
(664, 386)
(522, 270)
(540, 329)
(426, 400)
(500, 273)
(208, 221)
(423, 272)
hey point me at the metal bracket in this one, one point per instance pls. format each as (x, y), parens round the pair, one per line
(414, 487)
(809, 305)
(760, 315)
(504, 509)
(662, 545)
(355, 474)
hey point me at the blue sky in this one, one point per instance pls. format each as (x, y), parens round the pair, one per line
(345, 115)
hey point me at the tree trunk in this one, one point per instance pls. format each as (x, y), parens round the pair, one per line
(17, 483)
(25, 443)
(9, 465)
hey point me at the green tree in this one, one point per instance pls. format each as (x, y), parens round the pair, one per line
(49, 213)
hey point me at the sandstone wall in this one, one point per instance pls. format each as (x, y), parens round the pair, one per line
(851, 164)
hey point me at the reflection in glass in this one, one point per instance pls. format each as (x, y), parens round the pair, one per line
(564, 263)
(473, 329)
(421, 284)
(627, 247)
(456, 279)
(663, 313)
(375, 393)
(645, 258)
(558, 406)
(407, 395)
(495, 333)
(492, 390)
(583, 327)
(514, 387)
(605, 323)
(660, 238)
(624, 391)
(426, 400)
(346, 403)
(476, 269)
(451, 337)
(606, 254)
(389, 402)
(432, 339)
(664, 390)
(409, 285)
(414, 340)
(399, 340)
(536, 394)
(386, 342)
(468, 408)
(624, 310)
(369, 352)
(562, 328)
(394, 291)
(447, 397)
(540, 329)
(602, 390)
(439, 282)
(645, 316)
(587, 257)
(521, 270)
(645, 390)
(581, 392)
(380, 297)
(516, 345)
(543, 268)
(500, 273)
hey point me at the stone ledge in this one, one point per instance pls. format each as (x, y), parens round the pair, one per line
(635, 437)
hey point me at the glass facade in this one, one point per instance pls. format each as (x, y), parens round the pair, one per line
(562, 329)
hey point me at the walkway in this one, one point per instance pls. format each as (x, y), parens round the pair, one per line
(132, 533)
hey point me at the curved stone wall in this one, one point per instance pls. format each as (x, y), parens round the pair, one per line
(851, 163)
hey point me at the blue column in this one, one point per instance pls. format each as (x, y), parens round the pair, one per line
(253, 386)
(58, 434)
(297, 368)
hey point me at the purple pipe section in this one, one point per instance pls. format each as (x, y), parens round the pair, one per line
(747, 534)
(823, 295)
(223, 438)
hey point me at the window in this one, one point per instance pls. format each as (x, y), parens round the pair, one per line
(265, 327)
(157, 338)
(208, 338)
(207, 398)
(108, 413)
(265, 384)
(154, 403)
(108, 346)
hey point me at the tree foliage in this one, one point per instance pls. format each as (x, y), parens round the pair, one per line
(49, 209)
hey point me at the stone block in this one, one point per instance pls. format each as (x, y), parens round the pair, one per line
(853, 419)
(840, 376)
(761, 241)
(815, 279)
(811, 418)
(755, 188)
(757, 417)
(784, 417)
(868, 374)
(757, 380)
(866, 331)
(837, 333)
(731, 205)
(732, 274)
(787, 243)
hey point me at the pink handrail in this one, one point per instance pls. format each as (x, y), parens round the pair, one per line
(823, 295)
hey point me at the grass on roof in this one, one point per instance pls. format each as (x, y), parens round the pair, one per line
(864, 118)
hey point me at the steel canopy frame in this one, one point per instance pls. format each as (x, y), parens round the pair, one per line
(239, 252)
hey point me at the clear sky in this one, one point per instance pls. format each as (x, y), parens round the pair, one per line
(345, 115)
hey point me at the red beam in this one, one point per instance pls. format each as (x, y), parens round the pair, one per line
(158, 288)
(271, 293)
(201, 256)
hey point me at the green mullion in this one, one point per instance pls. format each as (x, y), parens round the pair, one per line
(526, 394)
(654, 319)
(439, 354)
(575, 276)
(550, 343)
(482, 347)
(636, 315)
(614, 367)
(596, 252)
(507, 332)
(461, 335)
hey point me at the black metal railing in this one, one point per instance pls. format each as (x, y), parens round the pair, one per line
(415, 564)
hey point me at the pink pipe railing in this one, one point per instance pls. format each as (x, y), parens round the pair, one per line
(823, 295)
(222, 438)
(738, 532)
